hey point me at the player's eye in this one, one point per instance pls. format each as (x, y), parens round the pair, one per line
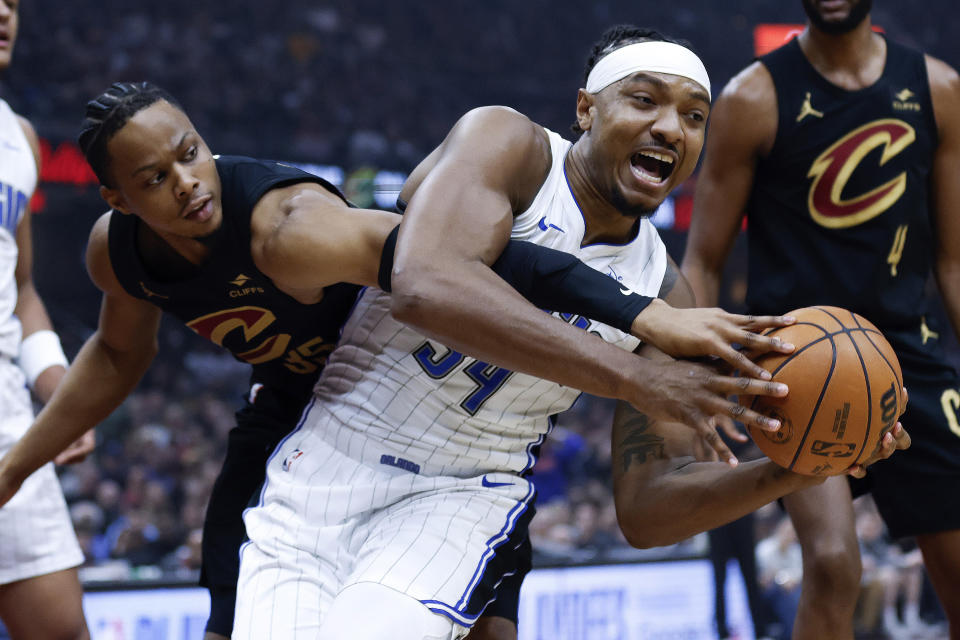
(155, 179)
(191, 152)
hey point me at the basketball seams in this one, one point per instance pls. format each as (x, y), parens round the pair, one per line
(816, 407)
(869, 388)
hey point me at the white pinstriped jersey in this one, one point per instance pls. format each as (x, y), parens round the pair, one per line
(36, 536)
(18, 179)
(389, 395)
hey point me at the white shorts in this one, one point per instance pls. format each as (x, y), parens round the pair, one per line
(36, 535)
(327, 521)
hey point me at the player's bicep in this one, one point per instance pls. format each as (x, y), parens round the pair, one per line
(306, 238)
(126, 324)
(23, 272)
(463, 207)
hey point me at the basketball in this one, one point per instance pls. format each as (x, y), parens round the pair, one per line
(846, 392)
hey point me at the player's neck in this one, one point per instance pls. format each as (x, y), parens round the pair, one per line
(602, 221)
(170, 256)
(852, 60)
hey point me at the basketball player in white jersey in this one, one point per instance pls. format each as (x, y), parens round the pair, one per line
(40, 594)
(401, 502)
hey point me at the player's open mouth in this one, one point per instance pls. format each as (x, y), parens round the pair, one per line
(200, 211)
(652, 166)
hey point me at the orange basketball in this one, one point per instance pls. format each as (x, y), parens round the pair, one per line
(846, 392)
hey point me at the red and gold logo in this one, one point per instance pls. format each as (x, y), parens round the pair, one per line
(254, 321)
(832, 170)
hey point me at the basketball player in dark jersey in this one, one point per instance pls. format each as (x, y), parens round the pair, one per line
(253, 255)
(843, 149)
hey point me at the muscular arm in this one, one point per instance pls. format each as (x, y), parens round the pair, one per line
(743, 125)
(945, 91)
(104, 372)
(306, 238)
(663, 494)
(458, 221)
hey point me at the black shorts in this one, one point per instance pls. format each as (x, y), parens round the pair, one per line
(916, 490)
(260, 428)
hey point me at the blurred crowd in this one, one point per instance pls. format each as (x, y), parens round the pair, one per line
(364, 81)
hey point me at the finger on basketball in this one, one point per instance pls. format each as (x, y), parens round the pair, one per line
(901, 436)
(713, 439)
(759, 323)
(729, 428)
(749, 416)
(739, 361)
(744, 385)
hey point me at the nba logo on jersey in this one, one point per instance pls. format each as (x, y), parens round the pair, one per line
(13, 203)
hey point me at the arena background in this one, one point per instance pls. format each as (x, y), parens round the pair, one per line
(358, 91)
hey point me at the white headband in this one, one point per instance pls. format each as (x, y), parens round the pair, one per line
(653, 56)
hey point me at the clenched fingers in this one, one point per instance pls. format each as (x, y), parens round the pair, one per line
(896, 438)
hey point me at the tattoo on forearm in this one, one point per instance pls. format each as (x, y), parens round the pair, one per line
(639, 444)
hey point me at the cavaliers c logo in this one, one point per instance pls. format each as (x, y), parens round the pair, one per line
(251, 321)
(833, 168)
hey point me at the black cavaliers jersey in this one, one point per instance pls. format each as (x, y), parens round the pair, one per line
(231, 302)
(839, 212)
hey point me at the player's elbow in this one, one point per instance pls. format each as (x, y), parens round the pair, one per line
(643, 533)
(413, 294)
(645, 523)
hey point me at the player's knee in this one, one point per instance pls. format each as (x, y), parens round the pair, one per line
(833, 570)
(370, 611)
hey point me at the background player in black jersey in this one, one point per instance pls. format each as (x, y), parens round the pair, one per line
(220, 243)
(843, 148)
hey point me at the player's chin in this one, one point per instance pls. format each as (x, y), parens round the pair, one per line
(641, 203)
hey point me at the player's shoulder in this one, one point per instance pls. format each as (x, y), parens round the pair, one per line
(99, 265)
(498, 124)
(752, 88)
(945, 93)
(746, 111)
(942, 76)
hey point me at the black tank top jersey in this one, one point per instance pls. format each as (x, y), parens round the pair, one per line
(231, 302)
(839, 212)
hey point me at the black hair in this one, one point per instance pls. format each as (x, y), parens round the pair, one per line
(108, 113)
(620, 36)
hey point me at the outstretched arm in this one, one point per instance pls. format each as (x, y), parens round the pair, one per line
(104, 372)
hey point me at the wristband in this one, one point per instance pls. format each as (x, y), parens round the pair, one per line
(385, 271)
(39, 351)
(558, 281)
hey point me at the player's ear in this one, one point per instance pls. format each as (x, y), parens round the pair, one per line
(585, 109)
(115, 199)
